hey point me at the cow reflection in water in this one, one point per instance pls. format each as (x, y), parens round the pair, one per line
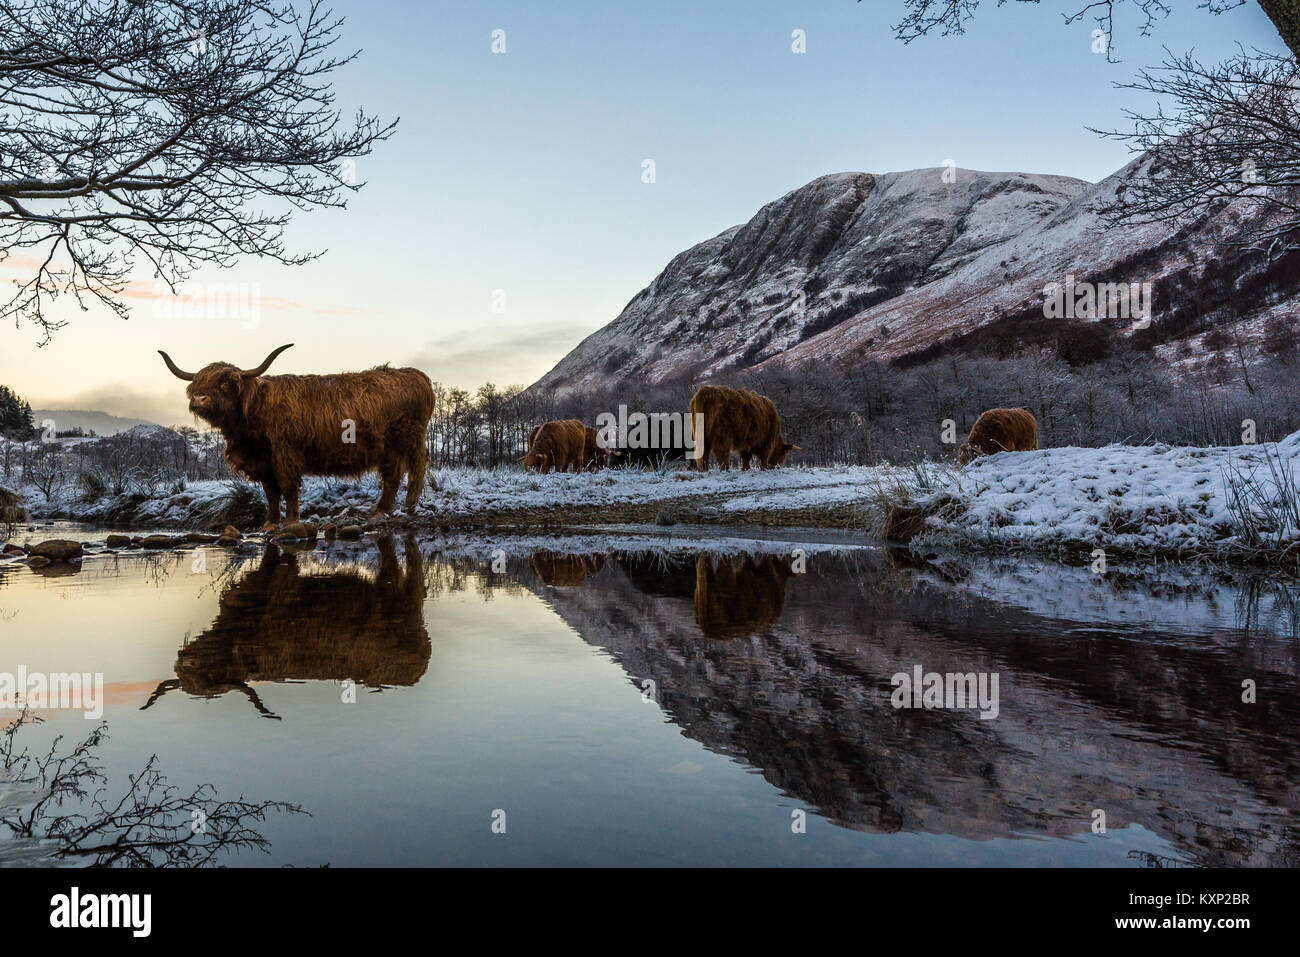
(735, 597)
(278, 623)
(565, 570)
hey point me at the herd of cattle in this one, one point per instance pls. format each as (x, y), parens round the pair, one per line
(279, 428)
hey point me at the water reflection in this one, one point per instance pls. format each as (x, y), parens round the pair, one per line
(1144, 720)
(280, 622)
(1122, 694)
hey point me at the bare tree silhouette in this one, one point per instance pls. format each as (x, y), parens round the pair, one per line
(163, 134)
(1231, 133)
(151, 824)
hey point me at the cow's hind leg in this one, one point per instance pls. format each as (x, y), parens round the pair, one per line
(417, 467)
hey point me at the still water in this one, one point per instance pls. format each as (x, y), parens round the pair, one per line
(641, 700)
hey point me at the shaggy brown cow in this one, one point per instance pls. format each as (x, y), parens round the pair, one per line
(280, 622)
(738, 420)
(556, 446)
(1000, 430)
(279, 428)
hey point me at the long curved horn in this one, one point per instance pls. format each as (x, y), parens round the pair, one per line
(187, 376)
(266, 363)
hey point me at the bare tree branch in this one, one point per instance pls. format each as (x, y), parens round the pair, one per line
(154, 132)
(1232, 133)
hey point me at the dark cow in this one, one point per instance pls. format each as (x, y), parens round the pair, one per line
(278, 623)
(742, 421)
(594, 454)
(279, 428)
(556, 446)
(624, 456)
(735, 597)
(1000, 430)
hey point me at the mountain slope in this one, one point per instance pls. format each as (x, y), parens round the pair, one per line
(855, 266)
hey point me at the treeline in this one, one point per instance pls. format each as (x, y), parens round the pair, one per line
(1112, 391)
(879, 411)
(15, 416)
(137, 463)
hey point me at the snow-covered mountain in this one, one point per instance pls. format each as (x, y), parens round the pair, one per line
(856, 266)
(102, 423)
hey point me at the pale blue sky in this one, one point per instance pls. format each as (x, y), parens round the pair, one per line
(522, 172)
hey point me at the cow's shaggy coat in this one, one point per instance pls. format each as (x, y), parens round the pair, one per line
(738, 420)
(556, 446)
(594, 455)
(279, 428)
(1000, 430)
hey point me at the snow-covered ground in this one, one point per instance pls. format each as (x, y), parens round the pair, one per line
(1129, 498)
(464, 493)
(1176, 501)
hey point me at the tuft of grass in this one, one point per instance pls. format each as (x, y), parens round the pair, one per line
(1264, 509)
(241, 505)
(901, 501)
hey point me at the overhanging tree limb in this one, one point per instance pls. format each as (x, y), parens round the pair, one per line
(163, 134)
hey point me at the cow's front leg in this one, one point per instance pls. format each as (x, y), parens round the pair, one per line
(288, 476)
(390, 476)
(291, 502)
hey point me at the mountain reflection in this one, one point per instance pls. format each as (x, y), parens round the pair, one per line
(1145, 723)
(279, 622)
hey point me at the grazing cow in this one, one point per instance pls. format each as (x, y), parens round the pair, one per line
(594, 455)
(738, 597)
(1000, 430)
(738, 420)
(279, 623)
(556, 446)
(279, 428)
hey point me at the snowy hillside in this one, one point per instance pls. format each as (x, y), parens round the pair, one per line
(856, 266)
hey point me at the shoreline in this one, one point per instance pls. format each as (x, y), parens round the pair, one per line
(1234, 505)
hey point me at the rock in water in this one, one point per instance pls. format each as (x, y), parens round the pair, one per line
(57, 550)
(297, 531)
(118, 541)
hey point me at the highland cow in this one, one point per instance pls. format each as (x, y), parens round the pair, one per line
(556, 446)
(738, 420)
(1000, 430)
(279, 428)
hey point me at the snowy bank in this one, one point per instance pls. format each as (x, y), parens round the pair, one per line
(1220, 502)
(467, 497)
